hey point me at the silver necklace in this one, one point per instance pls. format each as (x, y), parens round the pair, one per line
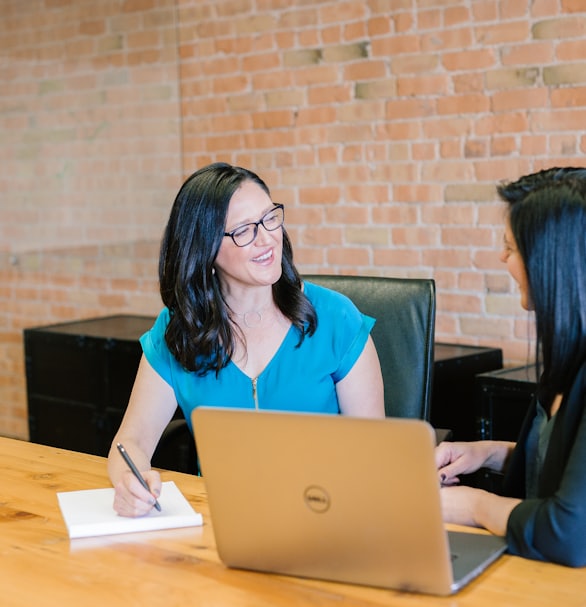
(252, 318)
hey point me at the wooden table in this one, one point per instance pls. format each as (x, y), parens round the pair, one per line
(41, 566)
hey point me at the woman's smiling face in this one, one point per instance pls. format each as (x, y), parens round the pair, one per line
(258, 263)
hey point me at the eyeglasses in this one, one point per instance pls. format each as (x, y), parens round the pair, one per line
(270, 221)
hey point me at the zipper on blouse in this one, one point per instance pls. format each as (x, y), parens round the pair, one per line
(255, 392)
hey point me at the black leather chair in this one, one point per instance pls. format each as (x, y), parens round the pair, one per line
(404, 309)
(176, 449)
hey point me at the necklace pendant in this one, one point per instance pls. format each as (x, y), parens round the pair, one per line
(252, 319)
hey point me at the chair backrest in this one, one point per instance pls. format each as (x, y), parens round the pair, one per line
(404, 309)
(176, 449)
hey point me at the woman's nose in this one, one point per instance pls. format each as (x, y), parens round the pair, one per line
(263, 235)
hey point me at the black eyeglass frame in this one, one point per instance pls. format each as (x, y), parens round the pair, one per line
(256, 224)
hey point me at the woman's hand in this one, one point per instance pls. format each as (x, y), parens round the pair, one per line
(454, 459)
(131, 498)
(477, 508)
(459, 505)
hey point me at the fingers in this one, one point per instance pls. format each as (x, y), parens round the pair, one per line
(450, 460)
(132, 499)
(448, 479)
(443, 454)
(153, 479)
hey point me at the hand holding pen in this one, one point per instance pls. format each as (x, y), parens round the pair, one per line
(136, 473)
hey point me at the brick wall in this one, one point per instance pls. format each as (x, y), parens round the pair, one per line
(383, 125)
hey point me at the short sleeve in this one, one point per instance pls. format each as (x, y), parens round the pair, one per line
(155, 348)
(341, 327)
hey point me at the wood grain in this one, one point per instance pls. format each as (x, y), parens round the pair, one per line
(40, 565)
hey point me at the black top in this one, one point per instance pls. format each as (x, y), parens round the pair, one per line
(552, 526)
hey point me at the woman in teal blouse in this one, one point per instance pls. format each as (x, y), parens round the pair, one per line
(299, 377)
(239, 327)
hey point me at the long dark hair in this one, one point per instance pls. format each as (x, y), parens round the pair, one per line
(547, 216)
(200, 334)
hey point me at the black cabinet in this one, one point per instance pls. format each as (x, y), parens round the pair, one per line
(79, 378)
(453, 396)
(503, 398)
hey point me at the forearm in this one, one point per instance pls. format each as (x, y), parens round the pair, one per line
(473, 507)
(492, 511)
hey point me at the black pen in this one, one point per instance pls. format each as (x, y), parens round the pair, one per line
(136, 473)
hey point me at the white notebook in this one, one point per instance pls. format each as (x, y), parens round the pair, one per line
(90, 513)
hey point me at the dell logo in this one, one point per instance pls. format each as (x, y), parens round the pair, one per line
(316, 498)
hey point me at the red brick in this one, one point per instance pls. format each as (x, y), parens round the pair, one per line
(379, 26)
(533, 145)
(348, 256)
(397, 258)
(424, 151)
(403, 22)
(477, 59)
(504, 101)
(530, 53)
(335, 93)
(572, 6)
(423, 85)
(468, 83)
(368, 193)
(429, 19)
(342, 11)
(563, 145)
(485, 10)
(545, 8)
(475, 148)
(395, 213)
(502, 33)
(452, 214)
(417, 193)
(416, 236)
(394, 46)
(463, 104)
(557, 120)
(503, 146)
(461, 303)
(365, 70)
(410, 108)
(414, 64)
(457, 38)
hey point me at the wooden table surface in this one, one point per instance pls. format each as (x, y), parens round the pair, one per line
(41, 566)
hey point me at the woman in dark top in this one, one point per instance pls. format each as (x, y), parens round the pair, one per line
(542, 511)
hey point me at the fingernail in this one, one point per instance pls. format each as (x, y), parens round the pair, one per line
(443, 477)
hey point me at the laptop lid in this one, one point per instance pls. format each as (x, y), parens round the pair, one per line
(330, 497)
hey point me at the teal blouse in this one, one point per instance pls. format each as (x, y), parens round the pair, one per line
(296, 379)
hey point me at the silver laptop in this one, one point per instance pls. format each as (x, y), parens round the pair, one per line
(333, 497)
